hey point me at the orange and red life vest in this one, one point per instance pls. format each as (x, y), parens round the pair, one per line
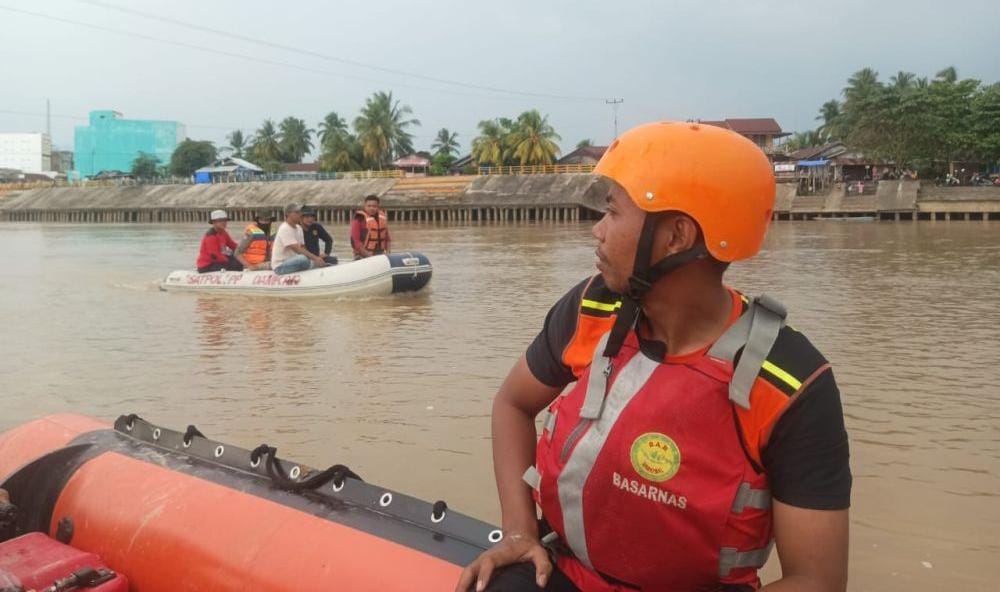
(259, 249)
(649, 471)
(375, 232)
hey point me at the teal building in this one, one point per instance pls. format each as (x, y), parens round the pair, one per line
(112, 143)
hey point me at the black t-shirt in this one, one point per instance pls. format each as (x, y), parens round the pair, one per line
(806, 457)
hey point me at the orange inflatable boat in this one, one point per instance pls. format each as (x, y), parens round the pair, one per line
(178, 511)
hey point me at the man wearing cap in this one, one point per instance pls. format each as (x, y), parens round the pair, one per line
(314, 232)
(217, 246)
(289, 254)
(254, 251)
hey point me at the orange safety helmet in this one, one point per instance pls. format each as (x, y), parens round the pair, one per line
(716, 176)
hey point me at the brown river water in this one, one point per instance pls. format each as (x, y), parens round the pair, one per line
(399, 388)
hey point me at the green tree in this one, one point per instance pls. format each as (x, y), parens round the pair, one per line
(341, 152)
(237, 142)
(445, 143)
(584, 143)
(145, 166)
(382, 129)
(191, 155)
(294, 139)
(829, 114)
(806, 139)
(986, 122)
(441, 163)
(266, 146)
(489, 148)
(333, 125)
(533, 139)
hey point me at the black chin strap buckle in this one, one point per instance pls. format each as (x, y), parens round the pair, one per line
(638, 287)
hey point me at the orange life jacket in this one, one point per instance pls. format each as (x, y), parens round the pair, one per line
(375, 234)
(259, 249)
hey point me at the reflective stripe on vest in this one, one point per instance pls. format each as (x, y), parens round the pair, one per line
(532, 477)
(747, 497)
(730, 559)
(581, 461)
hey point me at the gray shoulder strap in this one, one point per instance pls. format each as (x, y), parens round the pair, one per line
(755, 332)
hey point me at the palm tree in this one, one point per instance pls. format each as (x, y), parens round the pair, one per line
(332, 125)
(829, 114)
(861, 83)
(266, 146)
(446, 142)
(903, 80)
(949, 75)
(490, 147)
(805, 139)
(295, 139)
(341, 153)
(381, 128)
(237, 142)
(533, 140)
(584, 143)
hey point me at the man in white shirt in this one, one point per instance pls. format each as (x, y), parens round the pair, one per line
(289, 254)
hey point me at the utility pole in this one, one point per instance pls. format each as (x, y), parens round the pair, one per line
(48, 120)
(614, 107)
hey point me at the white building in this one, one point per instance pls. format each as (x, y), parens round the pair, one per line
(28, 153)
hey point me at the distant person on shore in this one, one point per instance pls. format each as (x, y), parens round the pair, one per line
(254, 251)
(289, 254)
(314, 233)
(370, 230)
(217, 246)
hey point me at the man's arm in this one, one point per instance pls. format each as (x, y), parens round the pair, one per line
(812, 546)
(327, 240)
(302, 250)
(356, 244)
(241, 249)
(520, 399)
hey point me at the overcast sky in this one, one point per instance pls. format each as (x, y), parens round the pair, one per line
(666, 59)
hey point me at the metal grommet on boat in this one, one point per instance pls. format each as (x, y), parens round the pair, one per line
(219, 450)
(254, 462)
(186, 443)
(435, 518)
(495, 536)
(156, 434)
(129, 426)
(295, 472)
(385, 500)
(339, 487)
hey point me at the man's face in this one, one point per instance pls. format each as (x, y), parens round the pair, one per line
(617, 235)
(308, 220)
(294, 218)
(220, 224)
(371, 207)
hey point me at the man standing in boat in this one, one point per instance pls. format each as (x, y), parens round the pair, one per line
(254, 251)
(701, 428)
(216, 253)
(289, 254)
(314, 233)
(370, 230)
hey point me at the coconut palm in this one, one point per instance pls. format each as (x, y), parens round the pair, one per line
(332, 125)
(805, 139)
(237, 142)
(446, 142)
(533, 140)
(584, 143)
(294, 139)
(341, 153)
(949, 75)
(490, 147)
(861, 83)
(266, 146)
(903, 80)
(829, 114)
(382, 128)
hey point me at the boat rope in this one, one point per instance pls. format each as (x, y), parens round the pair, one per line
(276, 471)
(190, 433)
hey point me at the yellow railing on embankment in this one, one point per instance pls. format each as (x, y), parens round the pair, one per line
(537, 169)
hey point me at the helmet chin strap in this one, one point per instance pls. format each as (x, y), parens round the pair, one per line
(642, 279)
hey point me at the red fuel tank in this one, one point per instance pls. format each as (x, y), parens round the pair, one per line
(36, 562)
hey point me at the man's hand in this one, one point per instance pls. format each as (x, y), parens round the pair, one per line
(319, 261)
(515, 548)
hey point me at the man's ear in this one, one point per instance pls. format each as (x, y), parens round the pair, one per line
(675, 233)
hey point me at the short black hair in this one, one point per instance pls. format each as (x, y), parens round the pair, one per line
(372, 197)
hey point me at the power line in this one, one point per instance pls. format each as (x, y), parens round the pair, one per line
(340, 60)
(254, 59)
(80, 118)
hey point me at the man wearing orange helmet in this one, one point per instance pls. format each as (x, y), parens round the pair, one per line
(701, 429)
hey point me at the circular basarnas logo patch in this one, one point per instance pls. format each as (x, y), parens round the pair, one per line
(655, 457)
